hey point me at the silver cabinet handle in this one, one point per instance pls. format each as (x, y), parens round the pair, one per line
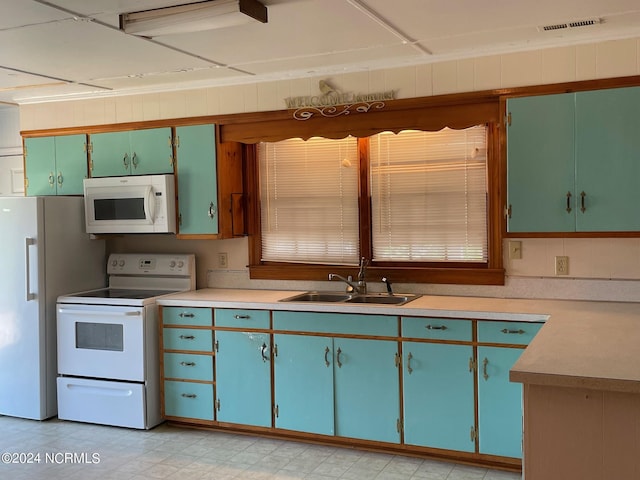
(187, 337)
(263, 352)
(485, 362)
(125, 161)
(568, 202)
(409, 357)
(583, 207)
(242, 317)
(188, 364)
(326, 356)
(436, 327)
(512, 332)
(51, 179)
(60, 178)
(338, 358)
(189, 395)
(212, 211)
(186, 315)
(134, 160)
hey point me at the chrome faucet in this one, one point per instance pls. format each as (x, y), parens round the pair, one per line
(361, 285)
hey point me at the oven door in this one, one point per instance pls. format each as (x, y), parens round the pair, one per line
(101, 341)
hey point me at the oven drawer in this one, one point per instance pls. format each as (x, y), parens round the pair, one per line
(188, 366)
(197, 316)
(188, 400)
(242, 318)
(187, 339)
(97, 401)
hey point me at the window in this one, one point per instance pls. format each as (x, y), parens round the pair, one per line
(309, 201)
(428, 195)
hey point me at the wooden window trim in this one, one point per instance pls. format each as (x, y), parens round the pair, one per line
(434, 117)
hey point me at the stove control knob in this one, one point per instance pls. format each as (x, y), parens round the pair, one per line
(172, 263)
(121, 263)
(114, 262)
(180, 264)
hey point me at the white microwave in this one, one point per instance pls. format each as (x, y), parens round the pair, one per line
(134, 204)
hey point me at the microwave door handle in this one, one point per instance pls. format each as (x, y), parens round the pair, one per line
(149, 204)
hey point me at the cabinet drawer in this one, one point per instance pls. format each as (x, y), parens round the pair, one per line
(197, 316)
(436, 328)
(189, 400)
(519, 333)
(242, 318)
(187, 339)
(188, 366)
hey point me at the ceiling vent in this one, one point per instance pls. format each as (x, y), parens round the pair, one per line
(575, 24)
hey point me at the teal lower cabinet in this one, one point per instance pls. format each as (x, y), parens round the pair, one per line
(499, 403)
(303, 383)
(243, 378)
(367, 387)
(438, 387)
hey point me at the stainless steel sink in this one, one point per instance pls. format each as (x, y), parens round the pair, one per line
(319, 297)
(382, 299)
(337, 297)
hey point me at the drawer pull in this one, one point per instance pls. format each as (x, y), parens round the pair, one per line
(242, 317)
(409, 357)
(187, 337)
(338, 358)
(188, 364)
(326, 354)
(189, 395)
(507, 331)
(436, 327)
(186, 315)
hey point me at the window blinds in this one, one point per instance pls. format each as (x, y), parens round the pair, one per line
(309, 200)
(429, 195)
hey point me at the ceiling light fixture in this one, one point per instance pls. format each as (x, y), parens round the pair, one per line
(193, 17)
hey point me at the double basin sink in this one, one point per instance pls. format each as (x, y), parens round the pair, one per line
(340, 297)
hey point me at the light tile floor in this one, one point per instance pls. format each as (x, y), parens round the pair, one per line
(57, 450)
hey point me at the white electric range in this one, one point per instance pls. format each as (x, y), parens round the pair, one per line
(108, 360)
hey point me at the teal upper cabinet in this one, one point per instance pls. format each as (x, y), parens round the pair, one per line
(608, 160)
(56, 165)
(573, 162)
(136, 152)
(197, 182)
(540, 157)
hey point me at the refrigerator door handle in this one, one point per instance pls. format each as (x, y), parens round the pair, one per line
(28, 241)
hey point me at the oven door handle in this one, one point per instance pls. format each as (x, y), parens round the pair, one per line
(149, 205)
(130, 313)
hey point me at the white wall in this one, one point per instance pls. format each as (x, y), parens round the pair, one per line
(599, 268)
(11, 165)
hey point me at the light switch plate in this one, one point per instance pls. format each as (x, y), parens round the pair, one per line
(515, 249)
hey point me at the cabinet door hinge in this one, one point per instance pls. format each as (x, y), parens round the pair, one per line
(274, 349)
(176, 142)
(217, 346)
(507, 119)
(473, 365)
(473, 434)
(218, 404)
(276, 411)
(397, 360)
(507, 211)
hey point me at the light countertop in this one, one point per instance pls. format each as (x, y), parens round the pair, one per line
(582, 344)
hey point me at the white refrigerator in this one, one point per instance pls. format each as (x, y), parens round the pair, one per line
(44, 253)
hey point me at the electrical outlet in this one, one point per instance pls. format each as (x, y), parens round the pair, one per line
(223, 260)
(562, 265)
